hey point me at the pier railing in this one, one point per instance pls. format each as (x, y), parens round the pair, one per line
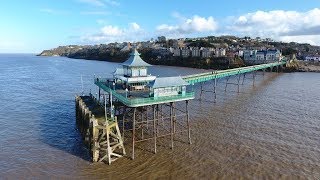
(201, 77)
(136, 102)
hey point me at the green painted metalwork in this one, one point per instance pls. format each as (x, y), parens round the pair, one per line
(136, 102)
(191, 79)
(202, 77)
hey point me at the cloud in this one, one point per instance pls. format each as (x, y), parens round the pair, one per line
(100, 3)
(52, 11)
(134, 26)
(101, 21)
(278, 23)
(310, 39)
(196, 24)
(112, 2)
(111, 33)
(298, 26)
(95, 13)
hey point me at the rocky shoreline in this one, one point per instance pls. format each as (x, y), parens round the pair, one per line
(309, 67)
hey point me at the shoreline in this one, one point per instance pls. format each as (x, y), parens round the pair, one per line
(299, 67)
(309, 68)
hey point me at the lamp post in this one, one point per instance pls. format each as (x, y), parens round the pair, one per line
(126, 92)
(111, 106)
(105, 108)
(113, 84)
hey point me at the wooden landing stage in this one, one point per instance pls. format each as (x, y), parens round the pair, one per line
(99, 131)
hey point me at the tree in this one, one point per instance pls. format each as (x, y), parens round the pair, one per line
(289, 51)
(162, 39)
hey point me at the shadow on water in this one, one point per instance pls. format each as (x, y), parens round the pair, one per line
(58, 128)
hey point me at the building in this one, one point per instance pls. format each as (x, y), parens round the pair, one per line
(195, 52)
(161, 51)
(176, 52)
(314, 58)
(206, 53)
(262, 56)
(185, 52)
(167, 86)
(133, 72)
(272, 55)
(220, 52)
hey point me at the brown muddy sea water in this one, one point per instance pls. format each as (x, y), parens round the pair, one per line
(268, 131)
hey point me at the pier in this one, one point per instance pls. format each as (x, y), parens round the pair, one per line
(134, 106)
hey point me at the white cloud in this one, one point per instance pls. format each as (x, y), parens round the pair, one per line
(95, 13)
(52, 11)
(112, 2)
(278, 24)
(101, 21)
(134, 26)
(99, 3)
(310, 39)
(111, 33)
(196, 24)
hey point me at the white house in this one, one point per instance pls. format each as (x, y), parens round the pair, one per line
(195, 52)
(315, 58)
(185, 52)
(176, 52)
(263, 56)
(206, 53)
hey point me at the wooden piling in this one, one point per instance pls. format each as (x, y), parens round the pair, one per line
(102, 137)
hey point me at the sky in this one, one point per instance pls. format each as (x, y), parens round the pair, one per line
(30, 26)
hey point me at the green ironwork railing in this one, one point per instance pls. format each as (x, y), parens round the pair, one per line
(192, 79)
(135, 102)
(201, 77)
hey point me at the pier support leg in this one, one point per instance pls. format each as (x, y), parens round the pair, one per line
(174, 119)
(244, 76)
(201, 90)
(154, 129)
(142, 124)
(215, 89)
(253, 77)
(99, 94)
(188, 123)
(225, 89)
(147, 117)
(133, 131)
(171, 124)
(123, 121)
(239, 77)
(157, 119)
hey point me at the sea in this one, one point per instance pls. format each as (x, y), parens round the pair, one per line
(269, 130)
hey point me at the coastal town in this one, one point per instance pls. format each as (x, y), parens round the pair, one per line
(205, 52)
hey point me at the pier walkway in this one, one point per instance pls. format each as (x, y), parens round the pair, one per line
(202, 77)
(120, 95)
